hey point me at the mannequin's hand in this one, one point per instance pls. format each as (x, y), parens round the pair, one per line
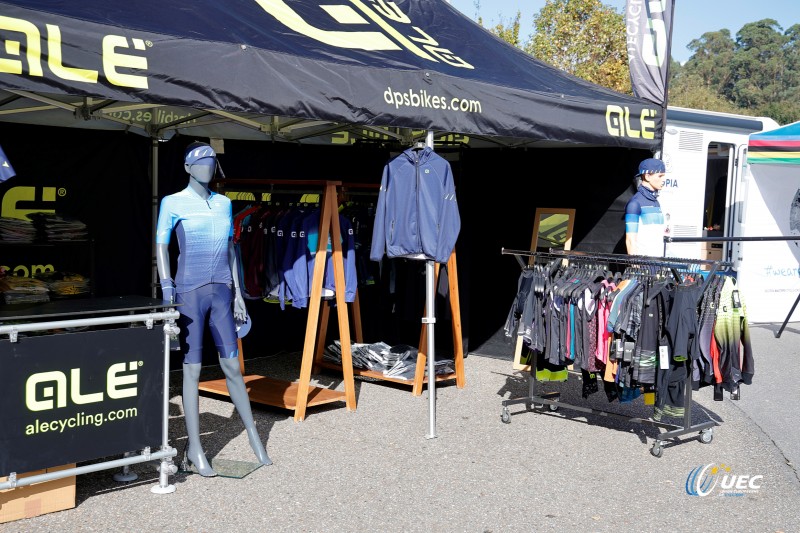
(168, 290)
(239, 310)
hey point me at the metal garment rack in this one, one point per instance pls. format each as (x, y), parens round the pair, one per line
(743, 239)
(165, 452)
(551, 399)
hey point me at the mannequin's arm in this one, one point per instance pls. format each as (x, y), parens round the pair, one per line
(239, 310)
(630, 243)
(162, 263)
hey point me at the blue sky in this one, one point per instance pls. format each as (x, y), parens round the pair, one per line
(692, 17)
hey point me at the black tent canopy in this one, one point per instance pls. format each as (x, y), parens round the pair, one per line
(322, 72)
(296, 71)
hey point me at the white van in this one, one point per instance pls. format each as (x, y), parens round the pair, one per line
(711, 190)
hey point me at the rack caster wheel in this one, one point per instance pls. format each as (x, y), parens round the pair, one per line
(552, 407)
(706, 436)
(505, 416)
(658, 449)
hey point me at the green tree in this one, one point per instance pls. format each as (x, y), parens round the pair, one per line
(710, 64)
(507, 30)
(791, 95)
(689, 90)
(758, 73)
(585, 38)
(759, 65)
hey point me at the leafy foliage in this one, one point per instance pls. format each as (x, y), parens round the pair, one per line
(584, 38)
(755, 73)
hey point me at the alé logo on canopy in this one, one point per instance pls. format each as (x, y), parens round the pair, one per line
(386, 15)
(703, 479)
(30, 43)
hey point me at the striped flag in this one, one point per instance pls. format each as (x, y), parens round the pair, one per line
(780, 146)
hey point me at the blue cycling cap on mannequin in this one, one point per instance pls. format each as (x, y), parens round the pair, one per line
(200, 162)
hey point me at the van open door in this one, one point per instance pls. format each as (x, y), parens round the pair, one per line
(736, 216)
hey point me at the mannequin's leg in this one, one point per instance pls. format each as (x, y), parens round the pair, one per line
(191, 412)
(238, 394)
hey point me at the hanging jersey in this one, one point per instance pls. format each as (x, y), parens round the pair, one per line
(733, 335)
(204, 228)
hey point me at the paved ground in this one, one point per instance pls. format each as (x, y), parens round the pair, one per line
(374, 470)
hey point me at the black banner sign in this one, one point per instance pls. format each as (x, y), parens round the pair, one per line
(649, 35)
(78, 396)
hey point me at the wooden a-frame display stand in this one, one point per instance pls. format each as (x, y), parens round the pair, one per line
(419, 375)
(299, 395)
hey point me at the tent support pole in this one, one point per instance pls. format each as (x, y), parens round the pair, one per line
(154, 216)
(430, 321)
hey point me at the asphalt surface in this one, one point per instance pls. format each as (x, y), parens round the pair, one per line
(374, 469)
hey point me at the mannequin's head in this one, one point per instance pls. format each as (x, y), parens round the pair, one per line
(200, 161)
(651, 174)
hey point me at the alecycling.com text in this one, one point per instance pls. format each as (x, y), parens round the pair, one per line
(79, 420)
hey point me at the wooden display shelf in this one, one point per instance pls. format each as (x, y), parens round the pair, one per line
(275, 392)
(419, 374)
(379, 375)
(300, 394)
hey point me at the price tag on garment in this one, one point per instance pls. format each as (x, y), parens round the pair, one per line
(618, 349)
(663, 357)
(737, 302)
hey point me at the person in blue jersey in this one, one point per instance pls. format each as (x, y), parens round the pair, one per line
(207, 287)
(644, 222)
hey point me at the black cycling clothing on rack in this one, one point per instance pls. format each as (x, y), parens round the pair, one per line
(632, 325)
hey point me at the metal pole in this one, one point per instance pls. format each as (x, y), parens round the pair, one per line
(13, 329)
(791, 312)
(729, 239)
(430, 320)
(166, 467)
(144, 457)
(154, 279)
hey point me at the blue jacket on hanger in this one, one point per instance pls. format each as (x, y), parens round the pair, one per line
(417, 213)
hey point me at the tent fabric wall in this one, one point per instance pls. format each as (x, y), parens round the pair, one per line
(101, 179)
(499, 191)
(106, 179)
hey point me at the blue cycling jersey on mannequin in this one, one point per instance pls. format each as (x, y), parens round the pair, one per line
(203, 228)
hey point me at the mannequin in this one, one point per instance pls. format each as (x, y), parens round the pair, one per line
(207, 286)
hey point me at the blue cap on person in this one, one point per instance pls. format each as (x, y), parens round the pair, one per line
(200, 154)
(651, 166)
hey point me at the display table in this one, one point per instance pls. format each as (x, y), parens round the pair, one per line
(84, 379)
(82, 307)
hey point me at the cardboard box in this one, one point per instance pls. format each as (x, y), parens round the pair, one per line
(39, 498)
(711, 251)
